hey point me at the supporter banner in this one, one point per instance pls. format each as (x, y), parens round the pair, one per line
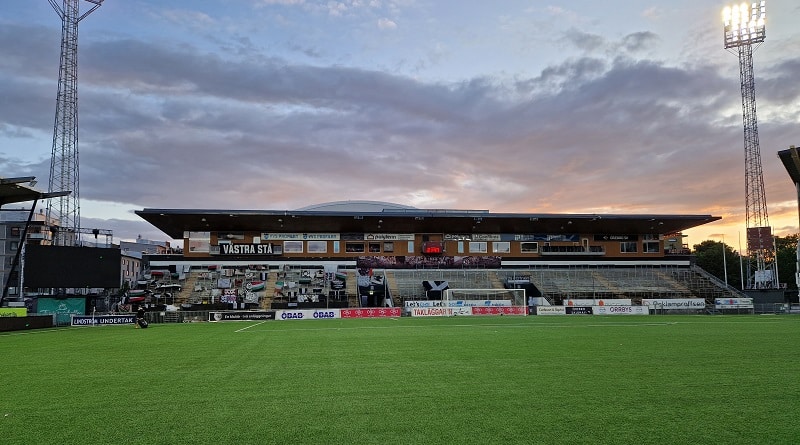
(573, 237)
(307, 314)
(88, 320)
(371, 313)
(599, 302)
(494, 310)
(13, 312)
(422, 261)
(565, 237)
(551, 310)
(578, 310)
(456, 303)
(620, 310)
(674, 303)
(241, 316)
(733, 303)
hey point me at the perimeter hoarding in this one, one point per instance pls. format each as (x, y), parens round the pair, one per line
(241, 316)
(674, 303)
(101, 320)
(13, 311)
(62, 308)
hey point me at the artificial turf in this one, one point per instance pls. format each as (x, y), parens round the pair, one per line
(460, 380)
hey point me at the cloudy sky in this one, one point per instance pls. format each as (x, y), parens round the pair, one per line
(555, 106)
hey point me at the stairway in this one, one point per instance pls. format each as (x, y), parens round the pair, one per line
(172, 317)
(269, 290)
(391, 284)
(186, 289)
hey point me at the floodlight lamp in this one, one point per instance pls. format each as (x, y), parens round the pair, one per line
(744, 24)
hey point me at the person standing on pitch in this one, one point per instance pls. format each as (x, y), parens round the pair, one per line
(139, 316)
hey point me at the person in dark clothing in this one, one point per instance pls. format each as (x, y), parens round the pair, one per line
(139, 316)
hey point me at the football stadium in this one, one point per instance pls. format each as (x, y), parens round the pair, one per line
(352, 257)
(371, 322)
(368, 322)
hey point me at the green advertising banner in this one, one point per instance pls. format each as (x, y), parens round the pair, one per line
(62, 308)
(13, 312)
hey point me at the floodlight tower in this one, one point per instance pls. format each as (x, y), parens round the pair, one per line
(744, 28)
(65, 210)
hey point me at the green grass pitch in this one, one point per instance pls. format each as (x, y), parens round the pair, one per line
(460, 380)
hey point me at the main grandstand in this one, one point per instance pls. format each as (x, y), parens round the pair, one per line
(375, 254)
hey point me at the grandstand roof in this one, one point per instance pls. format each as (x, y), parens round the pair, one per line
(21, 189)
(402, 219)
(791, 160)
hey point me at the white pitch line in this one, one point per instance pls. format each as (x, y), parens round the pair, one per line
(251, 326)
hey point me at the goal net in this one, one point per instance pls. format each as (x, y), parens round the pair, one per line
(485, 297)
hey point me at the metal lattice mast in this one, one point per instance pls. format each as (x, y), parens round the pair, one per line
(65, 210)
(744, 27)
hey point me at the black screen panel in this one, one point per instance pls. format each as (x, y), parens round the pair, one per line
(71, 267)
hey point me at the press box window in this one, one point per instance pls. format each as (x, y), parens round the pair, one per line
(477, 247)
(501, 247)
(529, 247)
(628, 247)
(199, 241)
(292, 247)
(650, 247)
(317, 247)
(354, 247)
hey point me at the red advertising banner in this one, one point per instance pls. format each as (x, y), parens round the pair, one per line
(371, 312)
(499, 310)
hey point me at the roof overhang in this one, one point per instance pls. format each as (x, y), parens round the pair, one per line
(791, 160)
(174, 222)
(20, 189)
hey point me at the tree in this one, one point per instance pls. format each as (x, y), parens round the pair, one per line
(786, 251)
(708, 255)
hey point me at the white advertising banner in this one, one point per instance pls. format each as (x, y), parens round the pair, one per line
(674, 303)
(733, 303)
(307, 314)
(440, 311)
(551, 310)
(598, 302)
(620, 310)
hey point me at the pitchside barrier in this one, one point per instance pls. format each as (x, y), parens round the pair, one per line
(327, 314)
(592, 310)
(101, 320)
